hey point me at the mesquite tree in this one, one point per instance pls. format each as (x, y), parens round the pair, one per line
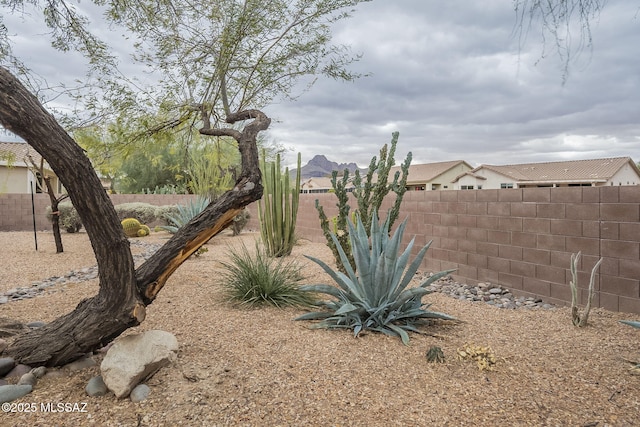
(124, 291)
(216, 63)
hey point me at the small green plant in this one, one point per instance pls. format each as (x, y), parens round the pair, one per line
(369, 194)
(435, 354)
(578, 319)
(256, 279)
(278, 208)
(378, 297)
(184, 214)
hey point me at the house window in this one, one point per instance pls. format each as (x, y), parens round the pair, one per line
(466, 187)
(506, 185)
(479, 187)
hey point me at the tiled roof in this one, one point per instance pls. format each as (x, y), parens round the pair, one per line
(20, 150)
(600, 169)
(427, 171)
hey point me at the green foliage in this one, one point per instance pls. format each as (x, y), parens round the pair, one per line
(578, 319)
(212, 168)
(144, 169)
(184, 214)
(69, 218)
(131, 226)
(278, 208)
(378, 297)
(253, 279)
(369, 193)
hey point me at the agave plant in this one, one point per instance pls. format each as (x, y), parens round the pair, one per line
(185, 214)
(377, 298)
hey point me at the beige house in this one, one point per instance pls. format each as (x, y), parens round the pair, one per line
(16, 175)
(433, 176)
(590, 173)
(320, 185)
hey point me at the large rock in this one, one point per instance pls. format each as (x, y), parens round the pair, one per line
(135, 358)
(12, 392)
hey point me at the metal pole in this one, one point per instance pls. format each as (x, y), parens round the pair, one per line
(33, 214)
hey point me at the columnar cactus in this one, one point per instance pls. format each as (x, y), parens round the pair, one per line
(278, 208)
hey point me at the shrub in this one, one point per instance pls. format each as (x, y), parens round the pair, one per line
(377, 298)
(143, 212)
(256, 279)
(69, 218)
(184, 214)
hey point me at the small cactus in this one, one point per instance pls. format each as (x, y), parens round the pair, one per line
(435, 355)
(131, 226)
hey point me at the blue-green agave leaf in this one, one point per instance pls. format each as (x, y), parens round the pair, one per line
(633, 323)
(436, 276)
(404, 336)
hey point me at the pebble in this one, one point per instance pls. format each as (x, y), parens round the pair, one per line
(6, 365)
(28, 378)
(77, 365)
(96, 387)
(11, 392)
(39, 372)
(74, 276)
(18, 371)
(139, 393)
(494, 295)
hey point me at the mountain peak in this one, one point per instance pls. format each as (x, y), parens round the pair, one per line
(320, 166)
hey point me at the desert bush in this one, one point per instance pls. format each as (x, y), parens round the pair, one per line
(143, 212)
(378, 297)
(69, 218)
(184, 214)
(255, 279)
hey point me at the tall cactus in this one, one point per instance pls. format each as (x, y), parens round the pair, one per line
(278, 208)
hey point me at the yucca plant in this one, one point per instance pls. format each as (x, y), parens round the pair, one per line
(185, 214)
(377, 298)
(256, 279)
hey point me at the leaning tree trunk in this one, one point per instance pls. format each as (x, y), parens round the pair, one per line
(124, 292)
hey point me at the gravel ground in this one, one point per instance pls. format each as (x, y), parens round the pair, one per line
(260, 368)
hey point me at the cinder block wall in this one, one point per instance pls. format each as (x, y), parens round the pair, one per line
(16, 209)
(521, 238)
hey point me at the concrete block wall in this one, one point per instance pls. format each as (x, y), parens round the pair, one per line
(521, 238)
(16, 209)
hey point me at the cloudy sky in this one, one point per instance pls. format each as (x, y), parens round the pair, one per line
(456, 83)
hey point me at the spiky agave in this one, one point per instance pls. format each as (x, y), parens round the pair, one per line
(377, 298)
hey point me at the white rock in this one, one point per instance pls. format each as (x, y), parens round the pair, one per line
(135, 358)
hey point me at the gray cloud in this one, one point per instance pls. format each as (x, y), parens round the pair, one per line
(457, 83)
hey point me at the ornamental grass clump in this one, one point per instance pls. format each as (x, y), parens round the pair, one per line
(253, 279)
(377, 298)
